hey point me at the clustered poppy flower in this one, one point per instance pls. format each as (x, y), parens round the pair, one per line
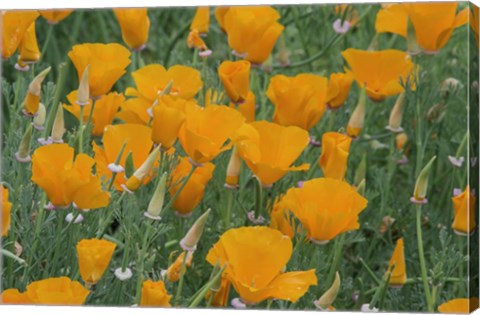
(235, 76)
(201, 20)
(134, 24)
(14, 27)
(338, 88)
(94, 256)
(155, 294)
(334, 157)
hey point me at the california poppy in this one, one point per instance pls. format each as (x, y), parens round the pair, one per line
(254, 260)
(14, 27)
(299, 101)
(155, 294)
(334, 158)
(247, 108)
(201, 20)
(173, 271)
(28, 50)
(338, 87)
(57, 291)
(13, 296)
(94, 256)
(459, 306)
(269, 149)
(220, 16)
(135, 111)
(399, 272)
(195, 41)
(235, 76)
(464, 208)
(6, 208)
(134, 24)
(382, 72)
(107, 64)
(55, 16)
(281, 219)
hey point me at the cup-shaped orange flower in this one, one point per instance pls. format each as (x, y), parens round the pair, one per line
(155, 294)
(14, 27)
(57, 291)
(28, 50)
(399, 272)
(205, 131)
(201, 20)
(152, 80)
(464, 216)
(382, 72)
(173, 271)
(247, 108)
(13, 296)
(299, 101)
(269, 149)
(6, 208)
(192, 193)
(104, 110)
(334, 157)
(254, 260)
(433, 23)
(281, 219)
(138, 143)
(134, 24)
(338, 88)
(66, 179)
(94, 256)
(107, 64)
(459, 306)
(252, 31)
(55, 16)
(326, 207)
(235, 76)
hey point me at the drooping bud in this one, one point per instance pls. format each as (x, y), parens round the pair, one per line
(83, 95)
(395, 120)
(31, 102)
(136, 179)
(421, 185)
(330, 295)
(58, 128)
(233, 170)
(156, 203)
(23, 153)
(190, 241)
(39, 119)
(355, 124)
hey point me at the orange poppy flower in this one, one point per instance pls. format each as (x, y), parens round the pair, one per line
(338, 87)
(137, 140)
(57, 291)
(254, 259)
(55, 16)
(195, 41)
(269, 149)
(13, 296)
(6, 208)
(464, 207)
(134, 24)
(151, 80)
(66, 179)
(433, 22)
(459, 306)
(382, 72)
(173, 271)
(192, 193)
(220, 299)
(155, 294)
(334, 158)
(281, 219)
(28, 49)
(235, 76)
(135, 111)
(400, 140)
(299, 101)
(220, 16)
(399, 273)
(94, 256)
(14, 27)
(107, 64)
(201, 20)
(103, 112)
(204, 134)
(247, 108)
(326, 207)
(252, 31)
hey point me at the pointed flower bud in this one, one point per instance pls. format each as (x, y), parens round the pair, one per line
(156, 203)
(32, 99)
(58, 128)
(134, 182)
(361, 187)
(421, 185)
(39, 119)
(23, 153)
(330, 295)
(458, 159)
(83, 94)
(395, 120)
(361, 171)
(190, 241)
(355, 124)
(233, 170)
(412, 45)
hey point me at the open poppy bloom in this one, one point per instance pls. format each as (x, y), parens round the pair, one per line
(334, 158)
(247, 108)
(107, 64)
(134, 24)
(57, 291)
(66, 179)
(55, 16)
(205, 131)
(269, 149)
(255, 258)
(29, 52)
(192, 193)
(155, 294)
(14, 27)
(326, 207)
(299, 101)
(281, 219)
(94, 256)
(152, 79)
(459, 306)
(464, 206)
(13, 296)
(235, 76)
(103, 112)
(252, 31)
(399, 272)
(382, 72)
(338, 87)
(201, 20)
(137, 140)
(6, 208)
(173, 271)
(433, 22)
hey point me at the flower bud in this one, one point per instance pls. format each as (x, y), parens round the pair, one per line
(23, 153)
(395, 120)
(58, 128)
(412, 46)
(361, 187)
(355, 124)
(361, 171)
(39, 119)
(32, 99)
(136, 179)
(330, 295)
(83, 94)
(156, 203)
(190, 241)
(421, 185)
(283, 54)
(233, 170)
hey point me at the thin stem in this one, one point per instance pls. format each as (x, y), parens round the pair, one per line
(339, 242)
(228, 209)
(80, 131)
(421, 255)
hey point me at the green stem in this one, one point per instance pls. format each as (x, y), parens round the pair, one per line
(80, 131)
(258, 197)
(184, 183)
(370, 272)
(47, 39)
(421, 255)
(339, 242)
(228, 209)
(140, 262)
(9, 254)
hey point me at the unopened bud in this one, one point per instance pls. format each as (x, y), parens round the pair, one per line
(361, 187)
(83, 94)
(136, 179)
(355, 124)
(283, 54)
(23, 153)
(330, 295)
(361, 171)
(39, 119)
(32, 99)
(395, 120)
(421, 185)
(412, 46)
(190, 241)
(156, 203)
(233, 170)
(58, 128)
